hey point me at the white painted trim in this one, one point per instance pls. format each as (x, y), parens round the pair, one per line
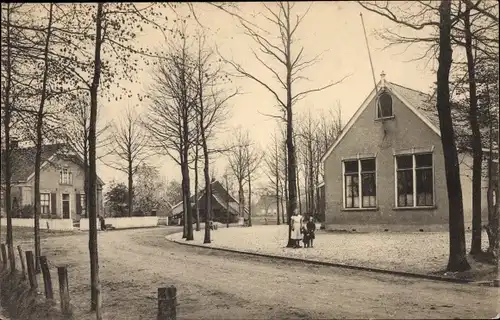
(395, 181)
(414, 179)
(343, 184)
(360, 184)
(365, 104)
(351, 122)
(44, 164)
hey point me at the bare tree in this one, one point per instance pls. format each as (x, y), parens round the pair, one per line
(112, 55)
(457, 260)
(8, 40)
(282, 49)
(129, 145)
(254, 158)
(76, 134)
(307, 136)
(273, 172)
(171, 115)
(238, 162)
(211, 112)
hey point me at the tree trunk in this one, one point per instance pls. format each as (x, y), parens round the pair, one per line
(208, 187)
(39, 142)
(277, 185)
(86, 177)
(318, 197)
(8, 148)
(196, 188)
(278, 222)
(130, 199)
(476, 138)
(93, 249)
(311, 177)
(185, 174)
(493, 218)
(227, 202)
(298, 192)
(241, 197)
(491, 209)
(457, 260)
(249, 200)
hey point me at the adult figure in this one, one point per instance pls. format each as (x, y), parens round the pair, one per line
(296, 222)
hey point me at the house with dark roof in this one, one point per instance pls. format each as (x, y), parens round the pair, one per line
(62, 192)
(386, 168)
(224, 206)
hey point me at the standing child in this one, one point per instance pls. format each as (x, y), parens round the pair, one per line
(311, 228)
(296, 222)
(306, 238)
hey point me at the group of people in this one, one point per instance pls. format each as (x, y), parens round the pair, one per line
(302, 231)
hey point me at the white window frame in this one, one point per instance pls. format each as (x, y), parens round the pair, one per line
(65, 176)
(50, 202)
(360, 191)
(69, 204)
(413, 154)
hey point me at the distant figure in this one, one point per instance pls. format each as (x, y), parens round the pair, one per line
(102, 222)
(296, 228)
(310, 230)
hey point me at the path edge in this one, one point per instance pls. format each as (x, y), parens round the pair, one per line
(325, 263)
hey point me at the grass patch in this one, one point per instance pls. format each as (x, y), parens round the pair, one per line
(27, 233)
(22, 303)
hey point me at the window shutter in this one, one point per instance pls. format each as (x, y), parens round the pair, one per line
(53, 202)
(78, 204)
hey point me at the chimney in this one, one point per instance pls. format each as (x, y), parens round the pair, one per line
(382, 78)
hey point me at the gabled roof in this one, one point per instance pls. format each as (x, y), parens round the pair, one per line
(23, 160)
(217, 189)
(422, 105)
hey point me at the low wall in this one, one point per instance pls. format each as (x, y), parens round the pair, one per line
(54, 224)
(124, 222)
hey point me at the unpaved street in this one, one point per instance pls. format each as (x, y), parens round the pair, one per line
(217, 285)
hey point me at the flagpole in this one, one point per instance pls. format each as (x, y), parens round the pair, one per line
(371, 63)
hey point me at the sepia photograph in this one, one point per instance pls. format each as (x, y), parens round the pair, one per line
(250, 160)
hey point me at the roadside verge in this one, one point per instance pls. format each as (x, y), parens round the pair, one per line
(324, 263)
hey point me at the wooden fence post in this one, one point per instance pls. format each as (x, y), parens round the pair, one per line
(167, 303)
(47, 281)
(4, 255)
(62, 273)
(31, 270)
(23, 263)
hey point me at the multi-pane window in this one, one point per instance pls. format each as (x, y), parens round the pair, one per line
(384, 109)
(45, 203)
(65, 176)
(359, 183)
(415, 185)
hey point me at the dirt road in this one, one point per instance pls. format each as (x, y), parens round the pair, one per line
(217, 285)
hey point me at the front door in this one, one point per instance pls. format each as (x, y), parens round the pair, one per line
(65, 205)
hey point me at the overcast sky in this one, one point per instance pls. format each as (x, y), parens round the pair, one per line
(331, 28)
